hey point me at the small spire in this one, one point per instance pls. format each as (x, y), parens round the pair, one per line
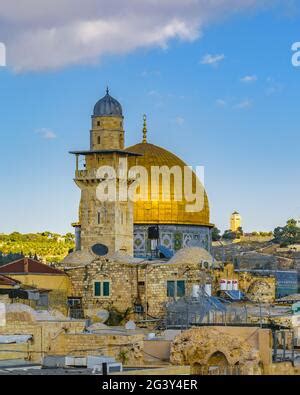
(145, 129)
(107, 90)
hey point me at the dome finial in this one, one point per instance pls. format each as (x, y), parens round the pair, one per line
(145, 129)
(107, 90)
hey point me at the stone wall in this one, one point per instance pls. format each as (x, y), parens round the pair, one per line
(42, 333)
(281, 368)
(155, 277)
(258, 288)
(66, 337)
(123, 285)
(124, 347)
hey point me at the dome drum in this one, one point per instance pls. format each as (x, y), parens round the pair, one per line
(172, 237)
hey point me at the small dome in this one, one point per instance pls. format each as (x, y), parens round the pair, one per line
(107, 106)
(192, 255)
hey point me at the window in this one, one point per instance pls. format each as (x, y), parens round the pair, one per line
(98, 123)
(105, 288)
(99, 218)
(75, 303)
(180, 288)
(171, 289)
(176, 289)
(97, 288)
(101, 289)
(98, 140)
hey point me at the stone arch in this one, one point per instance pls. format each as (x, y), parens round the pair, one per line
(202, 347)
(216, 363)
(225, 352)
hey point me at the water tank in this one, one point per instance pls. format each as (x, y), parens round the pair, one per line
(235, 285)
(195, 290)
(223, 285)
(208, 289)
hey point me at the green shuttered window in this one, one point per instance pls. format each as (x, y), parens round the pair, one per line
(105, 288)
(97, 288)
(101, 289)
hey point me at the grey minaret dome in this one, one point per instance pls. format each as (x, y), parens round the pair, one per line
(107, 106)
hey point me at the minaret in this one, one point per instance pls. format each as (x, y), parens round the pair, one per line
(107, 124)
(235, 221)
(104, 226)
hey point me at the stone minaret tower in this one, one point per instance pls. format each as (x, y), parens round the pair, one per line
(235, 221)
(104, 226)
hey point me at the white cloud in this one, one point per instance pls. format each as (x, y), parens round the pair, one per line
(46, 134)
(249, 78)
(212, 60)
(244, 104)
(221, 102)
(50, 34)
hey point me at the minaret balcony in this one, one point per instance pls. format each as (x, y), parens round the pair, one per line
(91, 175)
(86, 174)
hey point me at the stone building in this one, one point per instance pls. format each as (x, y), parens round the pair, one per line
(123, 283)
(142, 288)
(118, 224)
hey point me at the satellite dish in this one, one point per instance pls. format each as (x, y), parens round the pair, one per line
(100, 249)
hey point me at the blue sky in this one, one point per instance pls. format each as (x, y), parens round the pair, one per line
(245, 131)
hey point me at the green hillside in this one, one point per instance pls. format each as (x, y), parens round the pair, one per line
(47, 246)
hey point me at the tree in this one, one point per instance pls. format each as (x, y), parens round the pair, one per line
(70, 237)
(229, 235)
(216, 234)
(288, 234)
(239, 232)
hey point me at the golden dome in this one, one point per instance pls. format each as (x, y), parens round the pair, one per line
(159, 211)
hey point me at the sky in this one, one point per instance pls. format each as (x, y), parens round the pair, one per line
(214, 77)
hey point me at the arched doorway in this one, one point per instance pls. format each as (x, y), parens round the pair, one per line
(216, 364)
(217, 359)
